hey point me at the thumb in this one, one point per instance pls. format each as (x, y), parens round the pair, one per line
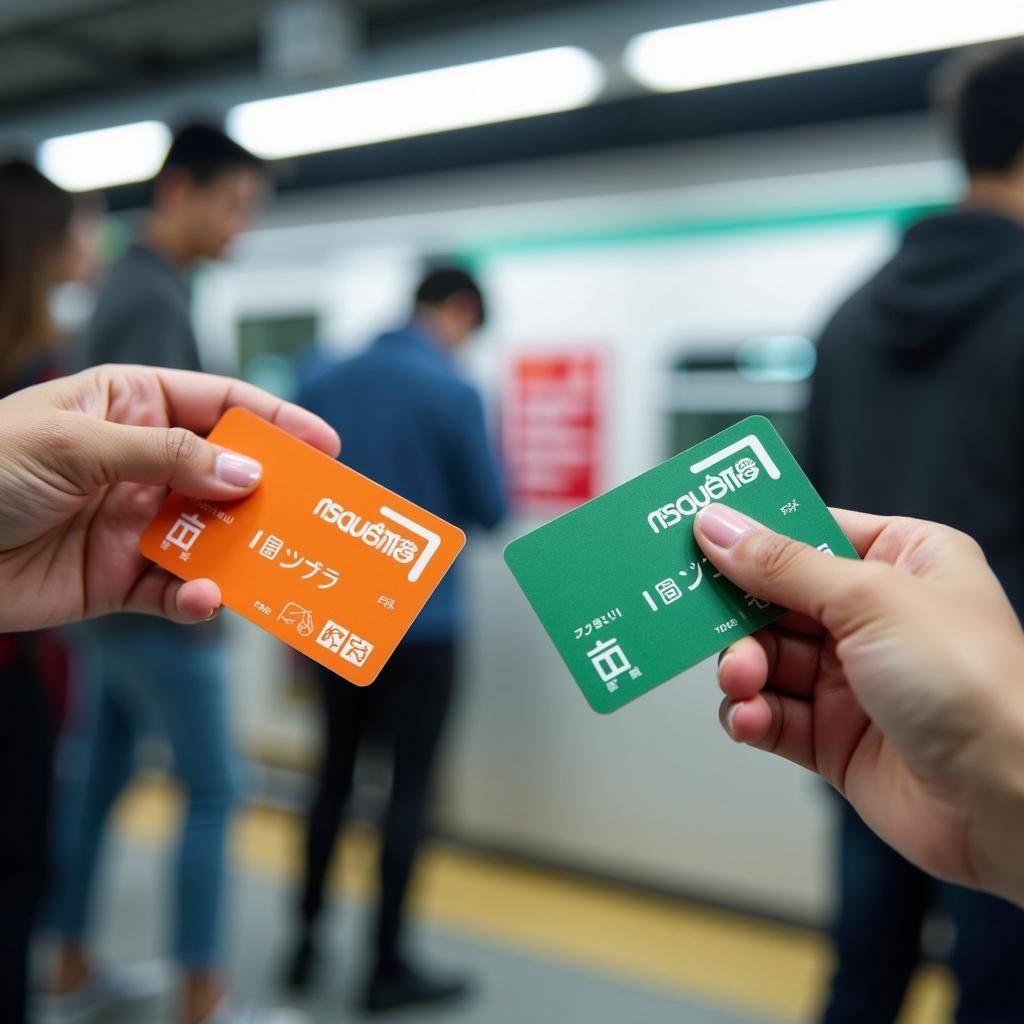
(779, 569)
(171, 456)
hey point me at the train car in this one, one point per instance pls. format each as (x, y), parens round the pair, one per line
(663, 293)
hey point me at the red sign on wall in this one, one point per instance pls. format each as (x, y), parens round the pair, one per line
(552, 424)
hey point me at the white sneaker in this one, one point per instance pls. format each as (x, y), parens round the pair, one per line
(226, 1012)
(108, 992)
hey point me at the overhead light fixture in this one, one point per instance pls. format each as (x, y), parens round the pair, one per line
(805, 37)
(106, 157)
(485, 92)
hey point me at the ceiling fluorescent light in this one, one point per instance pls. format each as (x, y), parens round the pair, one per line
(485, 92)
(109, 156)
(827, 33)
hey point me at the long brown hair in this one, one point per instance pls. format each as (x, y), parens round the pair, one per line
(35, 217)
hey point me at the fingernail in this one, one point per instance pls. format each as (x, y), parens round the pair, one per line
(723, 526)
(237, 470)
(729, 716)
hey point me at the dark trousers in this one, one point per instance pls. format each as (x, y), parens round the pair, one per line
(407, 706)
(26, 766)
(883, 903)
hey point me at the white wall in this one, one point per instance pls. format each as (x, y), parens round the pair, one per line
(656, 791)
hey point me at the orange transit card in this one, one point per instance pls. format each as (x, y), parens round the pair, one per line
(331, 563)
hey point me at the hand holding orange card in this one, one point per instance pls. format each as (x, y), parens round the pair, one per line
(331, 563)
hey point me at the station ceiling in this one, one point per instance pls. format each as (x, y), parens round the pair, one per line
(59, 57)
(54, 51)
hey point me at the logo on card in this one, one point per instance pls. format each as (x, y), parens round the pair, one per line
(716, 486)
(340, 641)
(295, 615)
(381, 537)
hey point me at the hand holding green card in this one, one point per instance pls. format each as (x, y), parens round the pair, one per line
(620, 585)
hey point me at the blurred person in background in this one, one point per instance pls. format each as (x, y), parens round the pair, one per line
(917, 402)
(413, 424)
(145, 676)
(47, 238)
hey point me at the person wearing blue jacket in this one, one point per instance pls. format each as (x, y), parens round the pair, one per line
(409, 421)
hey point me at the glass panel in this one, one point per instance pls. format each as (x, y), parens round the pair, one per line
(270, 349)
(687, 428)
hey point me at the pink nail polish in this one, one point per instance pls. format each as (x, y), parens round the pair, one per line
(723, 526)
(237, 470)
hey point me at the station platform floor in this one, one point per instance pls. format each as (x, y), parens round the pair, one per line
(543, 947)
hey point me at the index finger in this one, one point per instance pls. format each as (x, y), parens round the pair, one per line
(197, 401)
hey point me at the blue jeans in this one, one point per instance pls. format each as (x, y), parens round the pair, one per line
(147, 676)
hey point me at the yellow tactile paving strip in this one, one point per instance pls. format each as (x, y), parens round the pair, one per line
(721, 959)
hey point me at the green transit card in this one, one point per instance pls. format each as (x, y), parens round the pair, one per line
(623, 590)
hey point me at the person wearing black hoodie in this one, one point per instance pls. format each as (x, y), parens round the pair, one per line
(917, 405)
